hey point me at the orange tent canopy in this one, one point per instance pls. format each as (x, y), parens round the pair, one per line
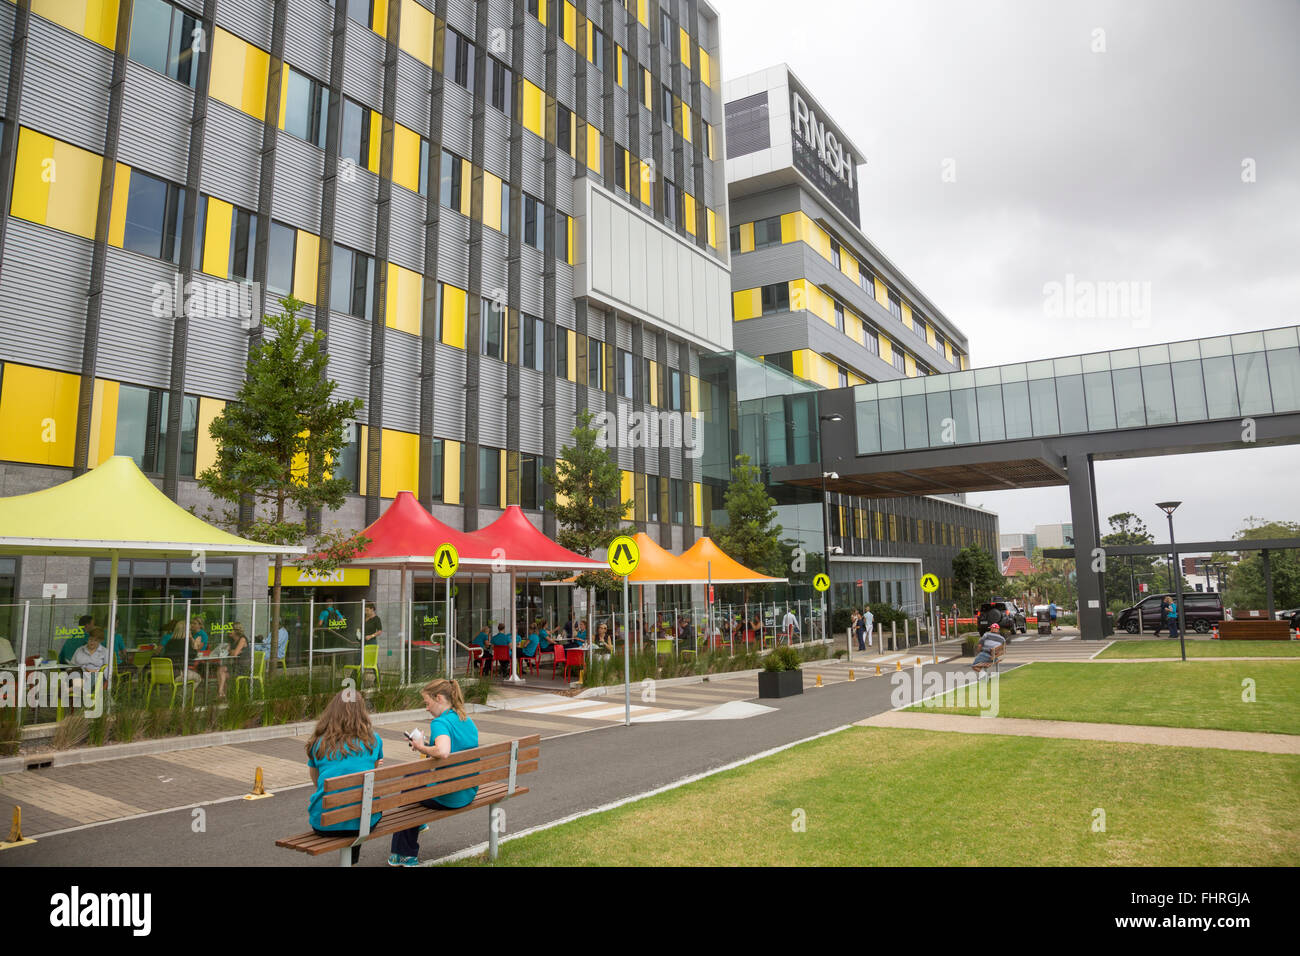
(709, 562)
(658, 566)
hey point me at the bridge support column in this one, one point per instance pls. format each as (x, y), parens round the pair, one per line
(1093, 622)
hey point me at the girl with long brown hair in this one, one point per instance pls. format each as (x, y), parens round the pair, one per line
(450, 731)
(343, 742)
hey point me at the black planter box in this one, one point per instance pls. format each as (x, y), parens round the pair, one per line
(779, 683)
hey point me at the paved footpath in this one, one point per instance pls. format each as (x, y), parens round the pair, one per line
(1076, 730)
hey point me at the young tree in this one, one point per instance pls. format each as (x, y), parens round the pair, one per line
(588, 505)
(1124, 573)
(751, 536)
(1246, 586)
(972, 565)
(275, 443)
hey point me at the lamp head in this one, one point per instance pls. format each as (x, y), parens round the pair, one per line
(1168, 507)
(833, 417)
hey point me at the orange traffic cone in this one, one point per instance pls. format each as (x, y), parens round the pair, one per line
(1214, 632)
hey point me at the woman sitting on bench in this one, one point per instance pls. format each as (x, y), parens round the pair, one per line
(450, 731)
(342, 743)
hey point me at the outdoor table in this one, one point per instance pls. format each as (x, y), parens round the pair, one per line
(333, 654)
(207, 660)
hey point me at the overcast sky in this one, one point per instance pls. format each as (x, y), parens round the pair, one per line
(1118, 166)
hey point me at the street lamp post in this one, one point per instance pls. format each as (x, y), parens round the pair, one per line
(826, 523)
(1169, 507)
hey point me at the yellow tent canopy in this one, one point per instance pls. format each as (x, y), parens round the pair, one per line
(114, 510)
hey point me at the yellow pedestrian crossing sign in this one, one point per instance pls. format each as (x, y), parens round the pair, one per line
(446, 560)
(624, 555)
(929, 583)
(822, 583)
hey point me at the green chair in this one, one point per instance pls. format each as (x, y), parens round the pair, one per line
(161, 674)
(664, 645)
(369, 662)
(258, 675)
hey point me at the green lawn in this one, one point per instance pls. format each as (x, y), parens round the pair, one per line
(1204, 694)
(1203, 649)
(876, 797)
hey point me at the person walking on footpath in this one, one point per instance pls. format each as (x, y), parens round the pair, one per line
(869, 625)
(1171, 611)
(1164, 616)
(1051, 615)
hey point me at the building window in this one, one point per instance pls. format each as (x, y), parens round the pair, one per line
(492, 323)
(666, 30)
(530, 482)
(459, 60)
(595, 364)
(776, 297)
(871, 340)
(708, 140)
(844, 378)
(562, 353)
(620, 167)
(279, 265)
(735, 239)
(489, 477)
(767, 232)
(142, 429)
(351, 282)
(674, 390)
(839, 316)
(564, 128)
(670, 202)
(153, 217)
(359, 11)
(835, 254)
(349, 460)
(534, 223)
(677, 500)
(597, 52)
(625, 374)
(243, 243)
(534, 8)
(651, 497)
(562, 237)
(866, 280)
(505, 209)
(306, 108)
(162, 38)
(898, 361)
(895, 306)
(354, 137)
(450, 184)
(667, 105)
(499, 81)
(533, 352)
(648, 385)
(621, 75)
(781, 360)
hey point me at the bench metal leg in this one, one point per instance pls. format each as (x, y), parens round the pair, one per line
(345, 856)
(492, 831)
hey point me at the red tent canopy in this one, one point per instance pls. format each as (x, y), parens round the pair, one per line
(406, 534)
(513, 543)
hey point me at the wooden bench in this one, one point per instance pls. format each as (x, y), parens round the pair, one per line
(1257, 630)
(399, 790)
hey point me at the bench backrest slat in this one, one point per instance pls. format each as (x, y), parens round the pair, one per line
(425, 773)
(398, 770)
(411, 797)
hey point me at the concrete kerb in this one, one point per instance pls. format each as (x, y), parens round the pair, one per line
(610, 689)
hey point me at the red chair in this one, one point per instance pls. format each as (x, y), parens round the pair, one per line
(558, 659)
(573, 659)
(475, 654)
(533, 659)
(501, 654)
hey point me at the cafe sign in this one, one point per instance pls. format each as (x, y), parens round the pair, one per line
(292, 577)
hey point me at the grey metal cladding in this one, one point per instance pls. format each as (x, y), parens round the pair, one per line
(769, 334)
(354, 219)
(531, 263)
(747, 127)
(620, 117)
(625, 334)
(496, 143)
(565, 312)
(230, 157)
(56, 64)
(499, 18)
(299, 168)
(458, 107)
(837, 346)
(449, 392)
(47, 333)
(766, 266)
(134, 344)
(495, 249)
(531, 425)
(565, 167)
(307, 31)
(363, 78)
(249, 21)
(675, 463)
(453, 248)
(411, 107)
(155, 129)
(492, 400)
(401, 381)
(406, 229)
(535, 52)
(566, 64)
(533, 172)
(460, 14)
(350, 356)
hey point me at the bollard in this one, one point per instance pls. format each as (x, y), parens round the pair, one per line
(259, 790)
(918, 662)
(877, 670)
(16, 831)
(819, 680)
(851, 677)
(899, 666)
(893, 634)
(907, 631)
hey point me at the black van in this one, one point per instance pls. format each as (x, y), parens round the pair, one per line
(1201, 610)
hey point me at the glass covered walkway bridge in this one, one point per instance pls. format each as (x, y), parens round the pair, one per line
(1034, 424)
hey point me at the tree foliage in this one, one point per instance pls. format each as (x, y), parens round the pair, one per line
(751, 535)
(972, 565)
(1246, 579)
(275, 444)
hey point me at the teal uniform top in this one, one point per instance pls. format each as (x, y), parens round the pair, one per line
(357, 759)
(464, 736)
(501, 638)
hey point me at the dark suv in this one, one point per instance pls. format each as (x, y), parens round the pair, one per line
(1201, 611)
(1004, 613)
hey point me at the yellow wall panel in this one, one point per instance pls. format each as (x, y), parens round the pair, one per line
(406, 157)
(747, 237)
(907, 315)
(699, 505)
(746, 304)
(405, 299)
(379, 17)
(362, 471)
(376, 133)
(216, 238)
(688, 209)
(572, 251)
(38, 415)
(74, 197)
(685, 43)
(713, 227)
(646, 198)
(93, 19)
(32, 171)
(205, 453)
(306, 263)
(643, 12)
(534, 109)
(570, 25)
(706, 68)
(417, 31)
(626, 493)
(466, 177)
(849, 266)
(103, 422)
(647, 90)
(947, 351)
(450, 472)
(817, 237)
(400, 458)
(790, 231)
(491, 201)
(929, 335)
(886, 350)
(685, 119)
(882, 294)
(909, 366)
(593, 148)
(455, 313)
(239, 73)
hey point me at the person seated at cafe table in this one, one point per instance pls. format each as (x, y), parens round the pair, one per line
(580, 633)
(90, 658)
(528, 650)
(238, 653)
(483, 641)
(544, 636)
(77, 640)
(502, 639)
(198, 636)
